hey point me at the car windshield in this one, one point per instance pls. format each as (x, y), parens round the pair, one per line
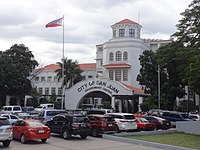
(185, 115)
(4, 122)
(143, 120)
(108, 119)
(129, 117)
(35, 124)
(80, 120)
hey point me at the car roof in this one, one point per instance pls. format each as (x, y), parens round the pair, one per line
(121, 114)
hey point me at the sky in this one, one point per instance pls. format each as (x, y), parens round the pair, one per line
(87, 23)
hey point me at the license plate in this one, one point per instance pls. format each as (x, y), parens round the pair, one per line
(41, 131)
(110, 125)
(83, 125)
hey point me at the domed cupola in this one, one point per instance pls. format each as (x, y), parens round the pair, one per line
(126, 28)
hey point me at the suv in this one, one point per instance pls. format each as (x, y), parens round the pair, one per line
(12, 109)
(101, 124)
(5, 131)
(68, 125)
(125, 121)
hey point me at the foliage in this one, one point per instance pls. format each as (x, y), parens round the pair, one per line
(16, 64)
(72, 72)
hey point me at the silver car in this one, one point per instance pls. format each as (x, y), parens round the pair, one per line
(5, 131)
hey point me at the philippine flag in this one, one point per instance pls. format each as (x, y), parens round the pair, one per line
(55, 23)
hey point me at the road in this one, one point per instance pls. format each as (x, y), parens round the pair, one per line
(57, 143)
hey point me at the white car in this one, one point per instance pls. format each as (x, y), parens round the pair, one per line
(11, 118)
(125, 121)
(5, 131)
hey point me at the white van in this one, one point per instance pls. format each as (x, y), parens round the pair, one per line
(44, 106)
(12, 109)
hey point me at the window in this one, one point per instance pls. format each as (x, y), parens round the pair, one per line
(131, 33)
(118, 75)
(89, 77)
(49, 78)
(125, 56)
(114, 33)
(111, 73)
(53, 90)
(46, 91)
(36, 78)
(118, 56)
(43, 78)
(121, 32)
(40, 90)
(60, 91)
(138, 33)
(125, 75)
(111, 56)
(55, 78)
(101, 62)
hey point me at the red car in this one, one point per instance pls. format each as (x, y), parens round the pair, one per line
(144, 124)
(101, 124)
(26, 130)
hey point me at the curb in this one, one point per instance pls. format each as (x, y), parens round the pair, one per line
(143, 143)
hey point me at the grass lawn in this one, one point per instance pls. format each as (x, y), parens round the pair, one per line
(177, 139)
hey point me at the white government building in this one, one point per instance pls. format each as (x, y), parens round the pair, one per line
(112, 78)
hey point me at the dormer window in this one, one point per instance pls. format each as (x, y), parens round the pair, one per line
(131, 32)
(114, 33)
(111, 56)
(121, 32)
(118, 56)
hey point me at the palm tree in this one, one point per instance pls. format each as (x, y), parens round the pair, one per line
(72, 72)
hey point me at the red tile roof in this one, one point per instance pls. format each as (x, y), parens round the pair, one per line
(137, 90)
(50, 67)
(126, 21)
(87, 66)
(53, 67)
(124, 65)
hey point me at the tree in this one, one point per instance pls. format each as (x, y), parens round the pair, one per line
(16, 64)
(72, 72)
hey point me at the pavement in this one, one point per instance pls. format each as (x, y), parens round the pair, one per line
(121, 137)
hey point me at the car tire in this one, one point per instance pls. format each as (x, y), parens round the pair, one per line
(6, 143)
(118, 130)
(43, 140)
(95, 132)
(83, 136)
(23, 139)
(66, 134)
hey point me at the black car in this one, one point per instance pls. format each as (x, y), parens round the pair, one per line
(69, 124)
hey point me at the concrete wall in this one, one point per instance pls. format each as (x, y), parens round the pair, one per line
(192, 127)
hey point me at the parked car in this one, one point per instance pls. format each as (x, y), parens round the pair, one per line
(5, 131)
(100, 124)
(125, 121)
(99, 111)
(47, 114)
(44, 106)
(11, 118)
(160, 123)
(140, 114)
(69, 124)
(194, 117)
(174, 116)
(26, 130)
(145, 125)
(11, 109)
(27, 109)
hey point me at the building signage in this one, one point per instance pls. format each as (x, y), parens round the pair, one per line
(98, 85)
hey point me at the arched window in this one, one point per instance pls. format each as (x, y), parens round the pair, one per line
(118, 56)
(111, 56)
(125, 56)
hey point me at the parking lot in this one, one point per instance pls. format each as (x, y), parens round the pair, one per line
(76, 143)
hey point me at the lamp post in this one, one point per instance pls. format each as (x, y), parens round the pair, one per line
(159, 87)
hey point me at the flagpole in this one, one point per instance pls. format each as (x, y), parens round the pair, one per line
(63, 74)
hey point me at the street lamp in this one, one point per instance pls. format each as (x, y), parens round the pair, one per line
(159, 87)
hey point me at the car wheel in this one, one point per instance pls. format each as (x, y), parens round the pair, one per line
(95, 132)
(23, 139)
(118, 130)
(44, 140)
(83, 136)
(66, 134)
(6, 143)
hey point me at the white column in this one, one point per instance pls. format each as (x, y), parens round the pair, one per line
(140, 102)
(120, 105)
(113, 103)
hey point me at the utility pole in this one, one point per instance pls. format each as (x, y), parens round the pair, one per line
(159, 87)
